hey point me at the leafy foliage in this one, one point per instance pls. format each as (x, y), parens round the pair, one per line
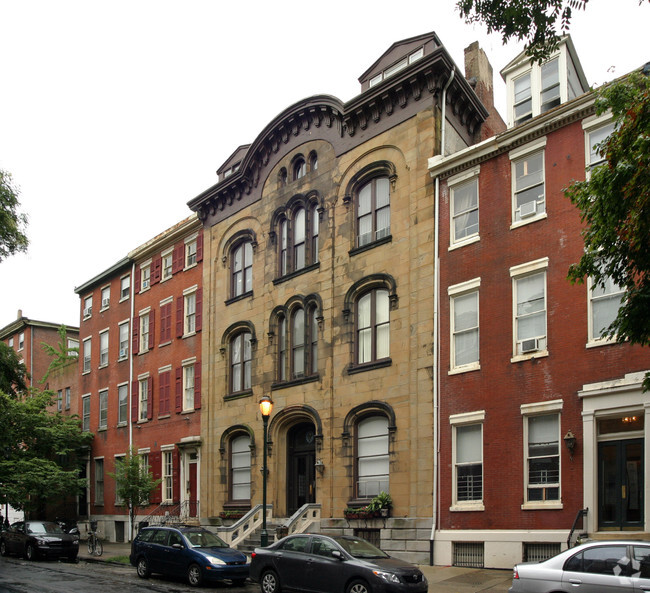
(134, 483)
(12, 222)
(13, 373)
(62, 356)
(615, 207)
(39, 451)
(539, 24)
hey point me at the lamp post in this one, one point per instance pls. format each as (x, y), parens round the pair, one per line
(266, 405)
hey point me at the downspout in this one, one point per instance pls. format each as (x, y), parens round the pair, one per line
(130, 386)
(436, 332)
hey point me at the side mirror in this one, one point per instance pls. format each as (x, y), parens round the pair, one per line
(178, 546)
(336, 554)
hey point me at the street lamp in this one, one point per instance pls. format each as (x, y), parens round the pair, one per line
(266, 405)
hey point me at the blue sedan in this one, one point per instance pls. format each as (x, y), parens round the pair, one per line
(193, 552)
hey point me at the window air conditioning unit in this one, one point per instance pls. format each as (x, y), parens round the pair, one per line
(124, 352)
(145, 284)
(105, 302)
(88, 311)
(528, 209)
(531, 345)
(381, 233)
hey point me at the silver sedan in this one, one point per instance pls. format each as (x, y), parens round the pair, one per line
(594, 567)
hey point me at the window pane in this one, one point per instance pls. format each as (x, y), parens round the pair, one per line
(529, 171)
(365, 203)
(382, 192)
(468, 443)
(382, 306)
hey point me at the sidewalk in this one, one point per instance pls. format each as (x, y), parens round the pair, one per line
(442, 579)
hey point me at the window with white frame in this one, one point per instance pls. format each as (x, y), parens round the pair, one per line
(59, 400)
(125, 287)
(594, 137)
(166, 271)
(85, 413)
(99, 481)
(106, 297)
(528, 187)
(88, 306)
(464, 316)
(144, 332)
(103, 348)
(372, 456)
(529, 307)
(123, 404)
(240, 468)
(143, 398)
(103, 409)
(124, 340)
(87, 353)
(190, 252)
(68, 397)
(542, 458)
(188, 386)
(464, 207)
(605, 299)
(523, 98)
(21, 340)
(190, 313)
(145, 277)
(550, 87)
(168, 476)
(468, 459)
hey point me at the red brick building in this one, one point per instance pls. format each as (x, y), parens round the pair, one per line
(140, 387)
(540, 415)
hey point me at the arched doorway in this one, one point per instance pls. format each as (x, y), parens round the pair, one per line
(301, 460)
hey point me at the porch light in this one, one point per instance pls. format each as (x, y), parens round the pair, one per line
(570, 442)
(266, 406)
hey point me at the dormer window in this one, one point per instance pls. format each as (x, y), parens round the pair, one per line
(550, 85)
(395, 68)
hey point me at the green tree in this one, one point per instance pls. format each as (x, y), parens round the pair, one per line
(134, 483)
(615, 206)
(539, 24)
(62, 356)
(13, 373)
(39, 451)
(12, 222)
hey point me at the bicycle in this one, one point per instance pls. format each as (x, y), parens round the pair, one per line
(95, 546)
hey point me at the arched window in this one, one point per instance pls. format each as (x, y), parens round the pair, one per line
(299, 168)
(282, 177)
(313, 161)
(284, 244)
(315, 223)
(297, 230)
(282, 349)
(240, 468)
(372, 326)
(298, 343)
(297, 327)
(299, 238)
(240, 362)
(372, 463)
(373, 211)
(242, 269)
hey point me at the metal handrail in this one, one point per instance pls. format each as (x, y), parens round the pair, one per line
(166, 513)
(580, 514)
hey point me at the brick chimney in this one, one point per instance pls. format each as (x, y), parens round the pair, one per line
(478, 72)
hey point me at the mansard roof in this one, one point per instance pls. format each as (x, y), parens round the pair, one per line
(344, 125)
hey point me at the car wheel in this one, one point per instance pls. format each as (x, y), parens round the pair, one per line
(194, 575)
(3, 548)
(269, 582)
(143, 568)
(30, 552)
(358, 586)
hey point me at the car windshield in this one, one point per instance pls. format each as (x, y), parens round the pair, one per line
(359, 548)
(204, 539)
(38, 527)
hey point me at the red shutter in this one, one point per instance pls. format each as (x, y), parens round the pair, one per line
(150, 398)
(152, 329)
(134, 401)
(165, 379)
(135, 339)
(178, 257)
(199, 309)
(165, 323)
(156, 267)
(199, 248)
(155, 462)
(197, 386)
(179, 316)
(138, 274)
(176, 476)
(179, 390)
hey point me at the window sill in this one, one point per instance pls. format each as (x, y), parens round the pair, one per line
(542, 506)
(190, 267)
(122, 424)
(464, 243)
(369, 366)
(467, 507)
(164, 416)
(525, 221)
(601, 342)
(123, 359)
(522, 357)
(85, 372)
(188, 411)
(164, 344)
(465, 369)
(295, 273)
(189, 334)
(102, 429)
(239, 297)
(356, 250)
(238, 395)
(297, 381)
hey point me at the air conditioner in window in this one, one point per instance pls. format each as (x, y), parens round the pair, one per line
(381, 233)
(365, 239)
(105, 302)
(528, 209)
(88, 311)
(145, 284)
(124, 352)
(531, 345)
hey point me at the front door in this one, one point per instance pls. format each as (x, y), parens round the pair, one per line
(620, 485)
(301, 479)
(191, 483)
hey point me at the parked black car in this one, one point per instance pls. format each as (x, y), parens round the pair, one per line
(339, 564)
(192, 552)
(33, 539)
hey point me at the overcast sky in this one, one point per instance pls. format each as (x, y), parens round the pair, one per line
(113, 115)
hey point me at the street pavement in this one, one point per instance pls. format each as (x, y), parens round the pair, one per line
(442, 579)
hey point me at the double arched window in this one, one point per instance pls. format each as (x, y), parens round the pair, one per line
(237, 348)
(237, 257)
(297, 229)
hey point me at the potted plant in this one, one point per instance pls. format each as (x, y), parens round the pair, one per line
(381, 504)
